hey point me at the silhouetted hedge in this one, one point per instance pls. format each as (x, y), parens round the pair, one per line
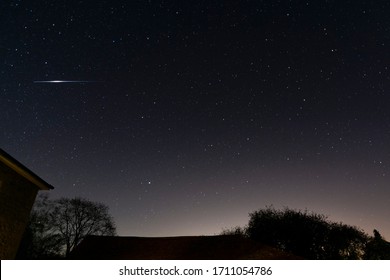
(305, 234)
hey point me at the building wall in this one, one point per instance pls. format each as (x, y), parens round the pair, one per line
(17, 195)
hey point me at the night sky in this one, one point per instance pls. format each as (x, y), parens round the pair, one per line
(184, 116)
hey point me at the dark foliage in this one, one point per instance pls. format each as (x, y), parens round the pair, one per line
(40, 239)
(305, 234)
(377, 248)
(234, 231)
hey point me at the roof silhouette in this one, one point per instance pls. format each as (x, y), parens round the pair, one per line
(23, 171)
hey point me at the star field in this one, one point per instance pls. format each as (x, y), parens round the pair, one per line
(199, 112)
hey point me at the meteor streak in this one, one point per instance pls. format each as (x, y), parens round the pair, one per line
(63, 81)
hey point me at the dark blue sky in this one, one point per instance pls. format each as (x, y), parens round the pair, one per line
(199, 112)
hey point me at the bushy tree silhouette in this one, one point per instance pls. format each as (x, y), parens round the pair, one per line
(305, 234)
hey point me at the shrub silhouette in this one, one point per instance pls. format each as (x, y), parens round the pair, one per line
(305, 234)
(234, 231)
(377, 248)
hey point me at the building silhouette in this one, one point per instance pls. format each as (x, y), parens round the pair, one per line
(18, 189)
